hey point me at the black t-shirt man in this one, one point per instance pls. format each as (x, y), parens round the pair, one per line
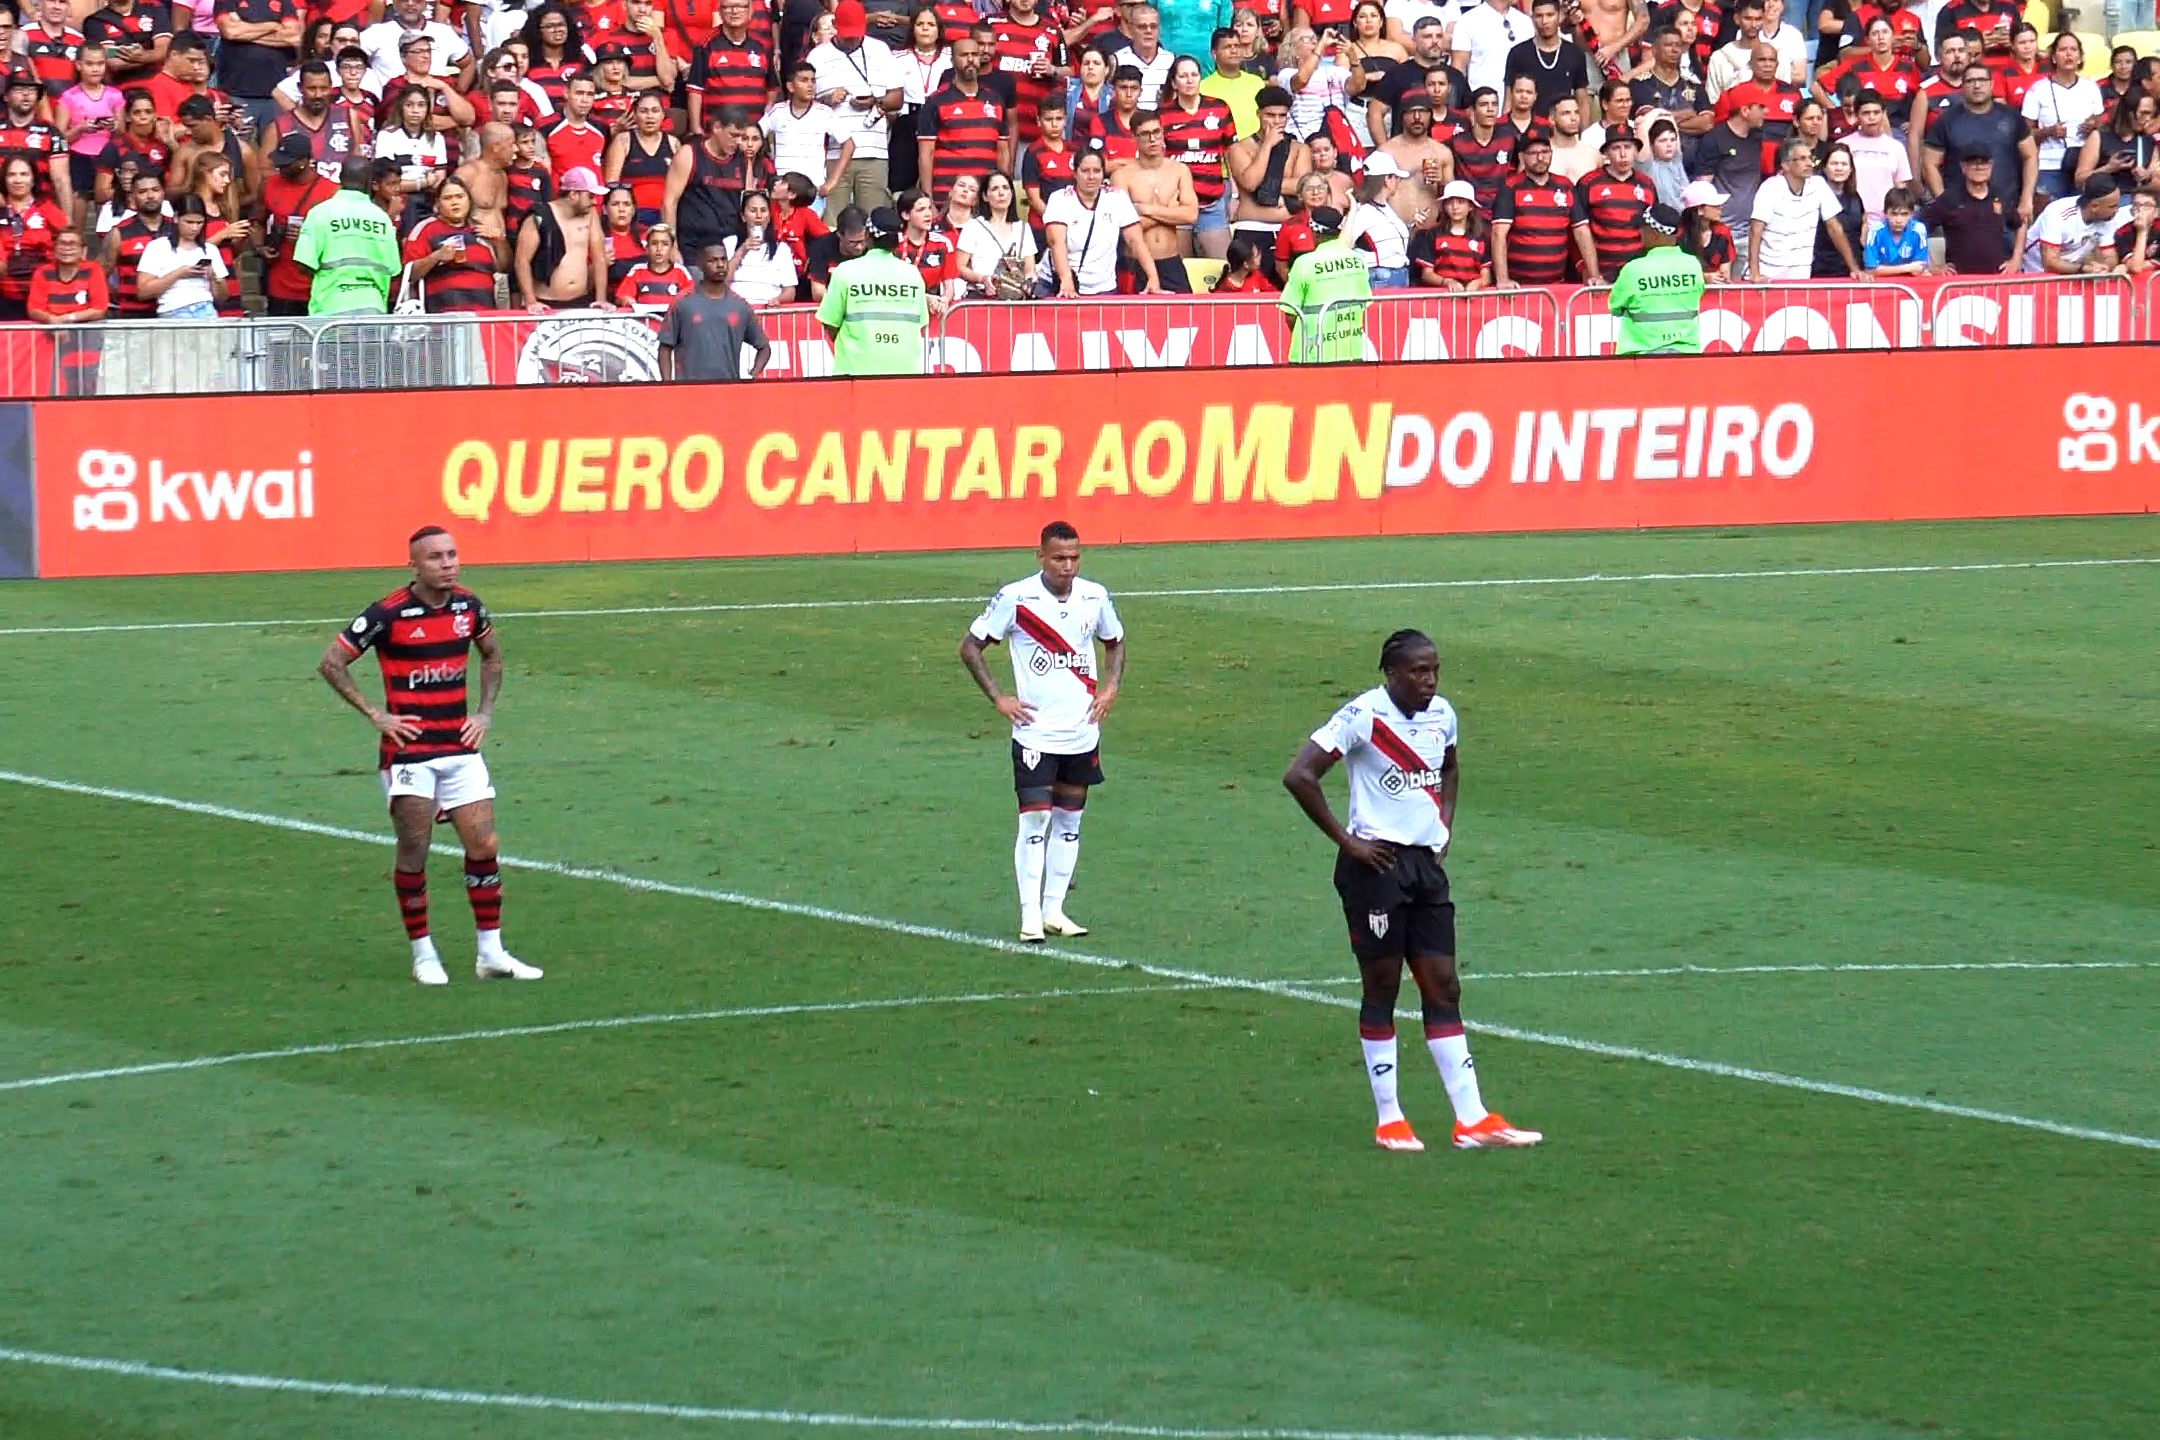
(252, 69)
(1556, 73)
(1976, 229)
(1998, 130)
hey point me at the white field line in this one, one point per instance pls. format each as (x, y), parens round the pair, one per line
(1653, 577)
(1280, 988)
(1618, 972)
(572, 1027)
(495, 1400)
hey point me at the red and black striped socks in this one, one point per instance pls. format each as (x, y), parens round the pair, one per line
(483, 886)
(412, 902)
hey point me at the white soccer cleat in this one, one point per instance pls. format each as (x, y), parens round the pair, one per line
(502, 965)
(429, 971)
(1057, 922)
(1031, 926)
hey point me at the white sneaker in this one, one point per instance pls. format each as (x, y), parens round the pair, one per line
(1031, 926)
(502, 965)
(429, 971)
(1057, 922)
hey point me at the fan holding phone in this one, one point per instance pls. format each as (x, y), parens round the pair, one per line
(186, 276)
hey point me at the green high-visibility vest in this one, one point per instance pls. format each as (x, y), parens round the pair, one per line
(1325, 294)
(877, 304)
(352, 248)
(1657, 297)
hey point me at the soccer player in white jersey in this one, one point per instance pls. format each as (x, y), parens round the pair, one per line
(1053, 619)
(1398, 741)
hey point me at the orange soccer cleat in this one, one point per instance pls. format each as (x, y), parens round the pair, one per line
(1494, 1133)
(1397, 1135)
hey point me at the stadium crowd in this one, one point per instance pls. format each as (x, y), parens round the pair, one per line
(162, 160)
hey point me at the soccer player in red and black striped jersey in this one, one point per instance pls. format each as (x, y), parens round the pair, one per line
(423, 634)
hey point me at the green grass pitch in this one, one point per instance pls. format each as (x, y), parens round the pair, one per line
(1801, 824)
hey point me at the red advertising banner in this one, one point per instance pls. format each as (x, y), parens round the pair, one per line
(156, 486)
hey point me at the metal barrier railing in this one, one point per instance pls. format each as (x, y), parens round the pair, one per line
(2018, 310)
(1820, 314)
(267, 355)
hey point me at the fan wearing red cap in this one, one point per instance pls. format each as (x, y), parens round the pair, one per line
(859, 77)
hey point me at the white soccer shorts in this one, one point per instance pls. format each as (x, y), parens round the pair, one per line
(452, 781)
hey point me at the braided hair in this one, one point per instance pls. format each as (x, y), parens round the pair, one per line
(1399, 646)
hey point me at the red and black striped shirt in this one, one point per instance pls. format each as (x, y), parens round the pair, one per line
(956, 18)
(133, 237)
(652, 292)
(1541, 216)
(422, 650)
(964, 131)
(458, 285)
(732, 72)
(1013, 49)
(527, 188)
(1448, 256)
(611, 107)
(1484, 163)
(1897, 82)
(1613, 209)
(553, 80)
(51, 57)
(1198, 138)
(36, 143)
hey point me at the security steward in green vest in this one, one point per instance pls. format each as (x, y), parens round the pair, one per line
(875, 308)
(1657, 296)
(350, 247)
(1325, 294)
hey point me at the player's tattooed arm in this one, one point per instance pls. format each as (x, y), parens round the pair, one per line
(1012, 707)
(335, 668)
(1106, 690)
(491, 678)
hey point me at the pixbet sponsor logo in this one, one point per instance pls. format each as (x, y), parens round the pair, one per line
(2093, 445)
(110, 500)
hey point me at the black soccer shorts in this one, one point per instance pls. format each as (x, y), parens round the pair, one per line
(1039, 770)
(1398, 912)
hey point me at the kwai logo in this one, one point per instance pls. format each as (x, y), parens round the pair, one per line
(109, 500)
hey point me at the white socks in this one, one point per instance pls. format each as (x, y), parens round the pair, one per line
(1452, 1054)
(424, 949)
(1057, 870)
(1028, 859)
(1381, 1069)
(490, 943)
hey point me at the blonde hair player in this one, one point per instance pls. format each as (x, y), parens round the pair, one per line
(1053, 619)
(422, 634)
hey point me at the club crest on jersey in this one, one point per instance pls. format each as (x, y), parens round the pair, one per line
(461, 625)
(1029, 759)
(1397, 780)
(1377, 922)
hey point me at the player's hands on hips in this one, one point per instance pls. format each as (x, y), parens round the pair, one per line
(1373, 854)
(475, 730)
(397, 727)
(1105, 697)
(1013, 708)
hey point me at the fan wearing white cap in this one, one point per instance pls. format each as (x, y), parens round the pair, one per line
(1375, 222)
(1455, 254)
(1703, 231)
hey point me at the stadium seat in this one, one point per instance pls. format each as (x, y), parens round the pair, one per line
(2040, 16)
(2096, 53)
(1203, 273)
(2145, 42)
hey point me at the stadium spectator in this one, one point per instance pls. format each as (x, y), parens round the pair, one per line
(861, 80)
(655, 282)
(421, 153)
(1242, 274)
(1609, 206)
(258, 40)
(1262, 167)
(2122, 65)
(1374, 224)
(560, 260)
(622, 238)
(2076, 234)
(1162, 195)
(292, 188)
(1615, 109)
(1532, 220)
(641, 152)
(453, 263)
(2060, 109)
(136, 34)
(1144, 51)
(1879, 159)
(448, 53)
(31, 225)
(1981, 232)
(1234, 86)
(1790, 210)
(1572, 156)
(1455, 254)
(1085, 228)
(760, 265)
(180, 272)
(2137, 239)
(1734, 61)
(2125, 146)
(1979, 122)
(1729, 160)
(1484, 37)
(147, 219)
(997, 249)
(1705, 233)
(1898, 246)
(1660, 161)
(1832, 260)
(1557, 66)
(47, 45)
